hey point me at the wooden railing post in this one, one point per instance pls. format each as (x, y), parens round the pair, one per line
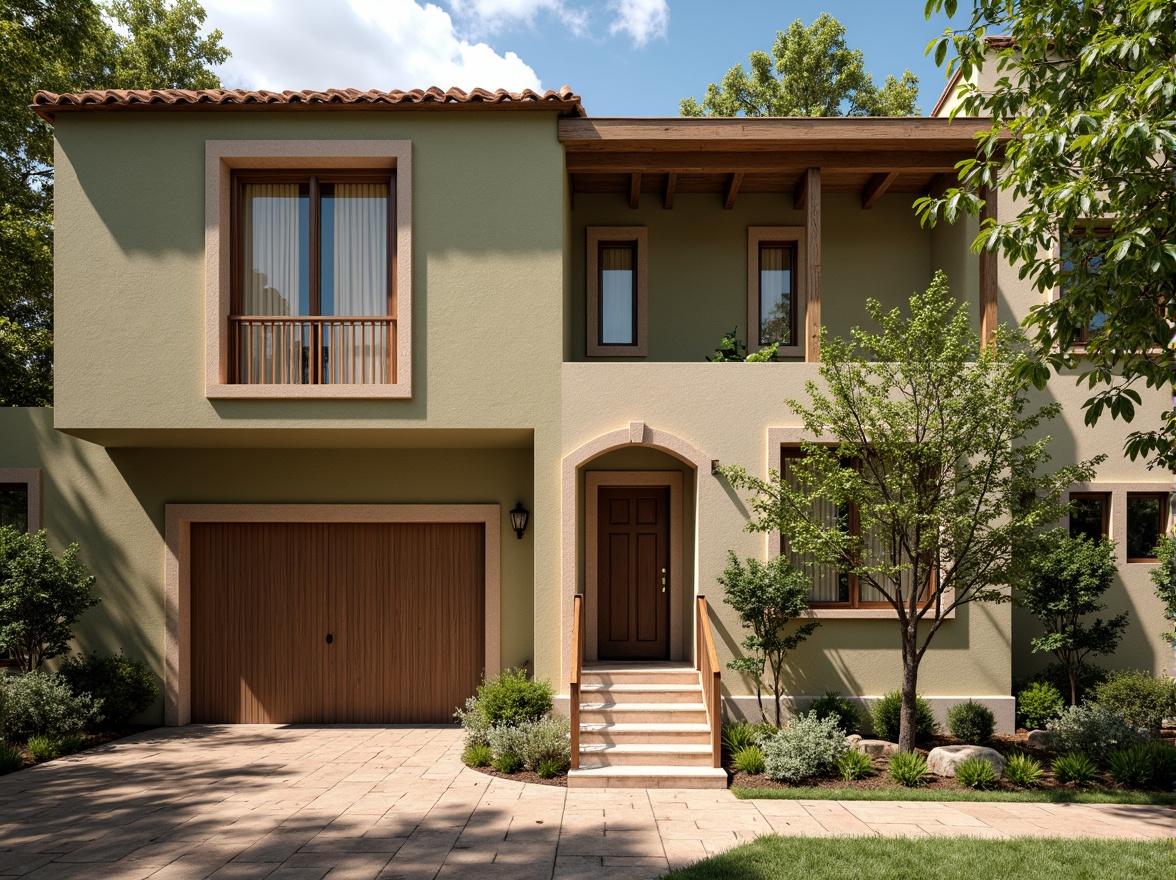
(332, 350)
(577, 667)
(707, 663)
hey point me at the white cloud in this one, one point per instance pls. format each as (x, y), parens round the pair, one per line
(642, 20)
(491, 16)
(363, 44)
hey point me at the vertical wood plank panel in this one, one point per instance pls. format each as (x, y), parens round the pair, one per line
(813, 264)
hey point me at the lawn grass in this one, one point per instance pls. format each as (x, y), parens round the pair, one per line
(901, 793)
(944, 858)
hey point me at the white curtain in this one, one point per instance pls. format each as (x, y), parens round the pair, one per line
(616, 296)
(272, 267)
(829, 584)
(359, 353)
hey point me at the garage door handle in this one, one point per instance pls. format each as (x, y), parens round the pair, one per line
(330, 638)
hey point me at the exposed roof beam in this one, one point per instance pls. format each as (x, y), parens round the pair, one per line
(940, 184)
(874, 190)
(733, 190)
(635, 190)
(671, 189)
(800, 194)
(730, 162)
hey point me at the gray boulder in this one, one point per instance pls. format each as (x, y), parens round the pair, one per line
(1039, 739)
(853, 739)
(943, 761)
(876, 748)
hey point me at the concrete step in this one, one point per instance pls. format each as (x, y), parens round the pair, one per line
(678, 713)
(637, 732)
(649, 776)
(655, 675)
(645, 754)
(641, 693)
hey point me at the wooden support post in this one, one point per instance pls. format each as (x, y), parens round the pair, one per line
(635, 189)
(733, 190)
(875, 189)
(812, 223)
(671, 189)
(988, 260)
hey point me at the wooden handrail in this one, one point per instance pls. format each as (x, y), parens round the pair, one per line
(707, 664)
(576, 671)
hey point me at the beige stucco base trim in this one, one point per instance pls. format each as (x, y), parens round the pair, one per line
(177, 693)
(637, 433)
(593, 480)
(31, 477)
(746, 707)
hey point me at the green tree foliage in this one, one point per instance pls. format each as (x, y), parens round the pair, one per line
(41, 597)
(811, 72)
(1064, 581)
(946, 485)
(63, 46)
(1164, 577)
(1084, 135)
(767, 597)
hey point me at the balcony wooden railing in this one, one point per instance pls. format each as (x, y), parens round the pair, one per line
(577, 670)
(301, 350)
(707, 663)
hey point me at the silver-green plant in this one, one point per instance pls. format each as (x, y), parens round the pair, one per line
(809, 746)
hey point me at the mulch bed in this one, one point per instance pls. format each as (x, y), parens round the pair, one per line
(560, 781)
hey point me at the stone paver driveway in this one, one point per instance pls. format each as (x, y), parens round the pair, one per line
(347, 803)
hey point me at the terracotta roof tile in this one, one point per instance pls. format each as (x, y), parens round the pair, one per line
(48, 104)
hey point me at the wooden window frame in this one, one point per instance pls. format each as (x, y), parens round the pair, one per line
(599, 236)
(1105, 499)
(796, 237)
(1164, 515)
(1097, 230)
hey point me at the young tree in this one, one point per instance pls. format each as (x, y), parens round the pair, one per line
(814, 73)
(1164, 577)
(924, 435)
(1082, 106)
(767, 598)
(42, 595)
(1064, 580)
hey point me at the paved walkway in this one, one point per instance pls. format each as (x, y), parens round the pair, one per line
(356, 803)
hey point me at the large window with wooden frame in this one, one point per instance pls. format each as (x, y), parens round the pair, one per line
(1082, 257)
(14, 506)
(616, 286)
(1090, 514)
(776, 289)
(1147, 517)
(313, 296)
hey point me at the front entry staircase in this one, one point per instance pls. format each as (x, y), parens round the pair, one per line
(646, 725)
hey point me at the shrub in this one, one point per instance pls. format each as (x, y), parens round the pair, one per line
(547, 741)
(1092, 730)
(976, 773)
(474, 723)
(1131, 767)
(477, 755)
(11, 759)
(849, 717)
(551, 769)
(908, 768)
(749, 759)
(738, 736)
(809, 746)
(44, 748)
(854, 765)
(1023, 770)
(125, 686)
(1038, 703)
(886, 714)
(1163, 763)
(971, 722)
(1074, 768)
(1088, 677)
(508, 764)
(1139, 697)
(39, 704)
(510, 698)
(507, 744)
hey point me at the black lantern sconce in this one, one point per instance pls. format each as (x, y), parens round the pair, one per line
(518, 519)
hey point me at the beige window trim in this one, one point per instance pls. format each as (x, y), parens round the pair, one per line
(756, 235)
(639, 235)
(220, 158)
(31, 477)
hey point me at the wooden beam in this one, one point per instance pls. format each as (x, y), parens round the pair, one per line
(812, 235)
(872, 160)
(940, 184)
(801, 191)
(732, 190)
(988, 260)
(671, 188)
(635, 190)
(875, 189)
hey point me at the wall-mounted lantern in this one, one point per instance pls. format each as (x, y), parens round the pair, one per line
(518, 519)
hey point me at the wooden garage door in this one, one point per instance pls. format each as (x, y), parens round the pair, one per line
(402, 603)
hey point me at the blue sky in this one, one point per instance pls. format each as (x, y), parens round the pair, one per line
(624, 57)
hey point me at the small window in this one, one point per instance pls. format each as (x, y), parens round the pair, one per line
(1090, 514)
(14, 506)
(1147, 514)
(1085, 261)
(616, 286)
(776, 289)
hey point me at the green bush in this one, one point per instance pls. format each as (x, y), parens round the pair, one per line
(1088, 678)
(1023, 770)
(971, 722)
(551, 768)
(1139, 697)
(849, 717)
(854, 765)
(976, 773)
(125, 686)
(1075, 768)
(508, 764)
(511, 698)
(507, 744)
(749, 759)
(1092, 730)
(887, 712)
(738, 736)
(1131, 767)
(39, 704)
(1037, 703)
(808, 746)
(44, 748)
(11, 759)
(1163, 763)
(477, 755)
(908, 768)
(474, 723)
(547, 742)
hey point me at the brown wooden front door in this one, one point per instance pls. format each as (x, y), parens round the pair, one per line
(633, 582)
(403, 605)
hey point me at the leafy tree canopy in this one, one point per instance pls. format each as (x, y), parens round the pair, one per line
(811, 72)
(1083, 103)
(69, 45)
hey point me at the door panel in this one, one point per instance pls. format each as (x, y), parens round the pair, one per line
(633, 544)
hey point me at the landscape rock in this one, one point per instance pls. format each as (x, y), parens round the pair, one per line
(943, 761)
(852, 740)
(1038, 739)
(876, 748)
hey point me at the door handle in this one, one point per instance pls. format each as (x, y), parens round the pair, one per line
(330, 638)
(663, 580)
